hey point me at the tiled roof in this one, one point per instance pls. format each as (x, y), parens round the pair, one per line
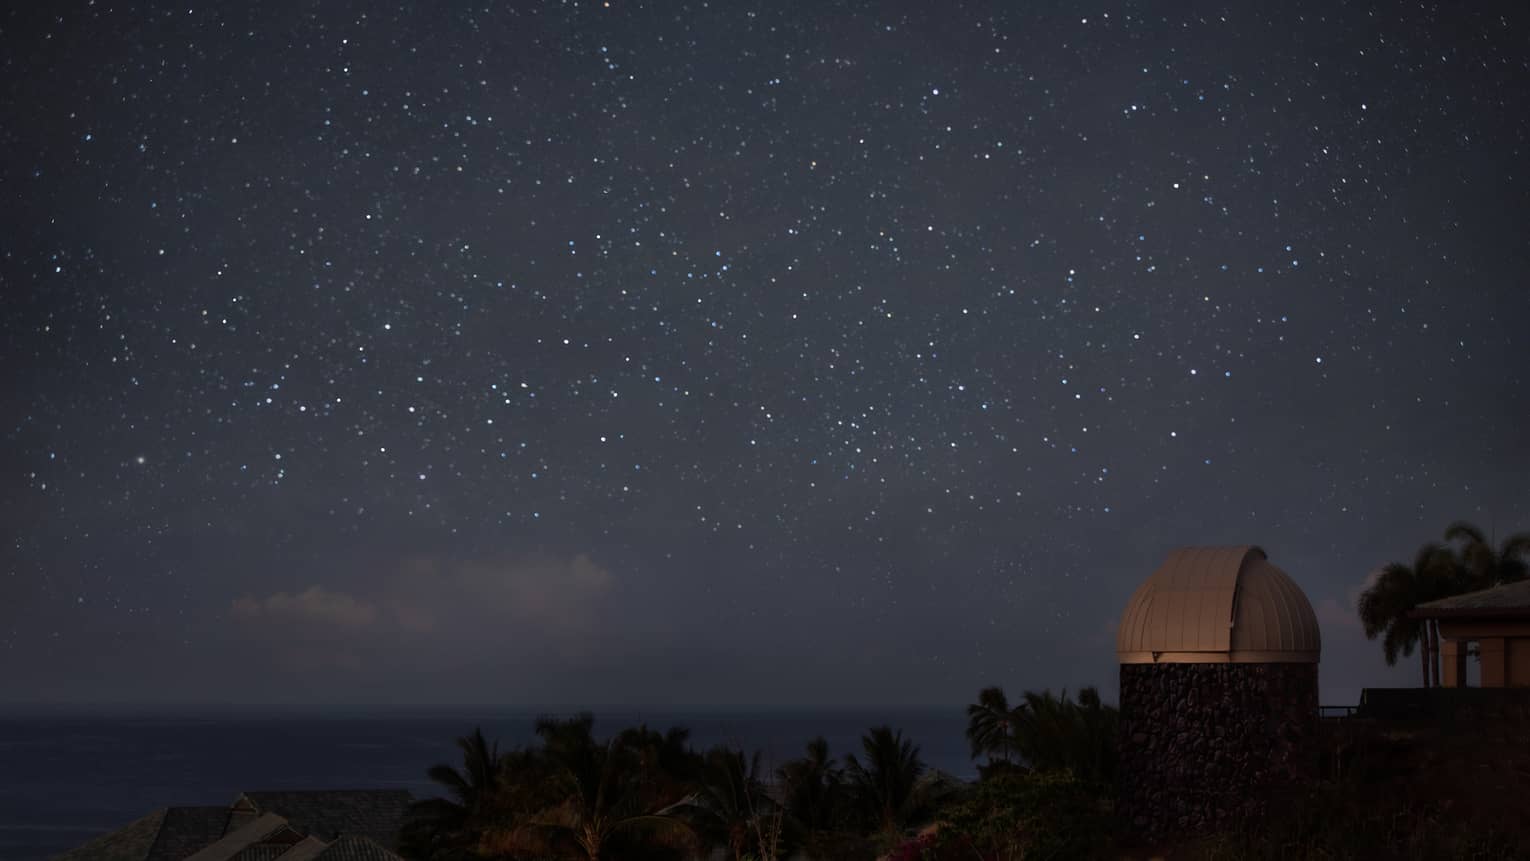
(305, 850)
(1510, 596)
(356, 849)
(131, 842)
(262, 852)
(229, 846)
(262, 826)
(167, 834)
(328, 814)
(238, 818)
(188, 829)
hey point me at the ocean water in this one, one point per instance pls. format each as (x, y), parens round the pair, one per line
(67, 778)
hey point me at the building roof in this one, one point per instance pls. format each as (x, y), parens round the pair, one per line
(305, 850)
(167, 834)
(263, 851)
(188, 829)
(232, 844)
(355, 849)
(131, 842)
(328, 814)
(1218, 605)
(325, 825)
(1510, 599)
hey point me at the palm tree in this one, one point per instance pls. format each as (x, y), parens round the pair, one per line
(891, 787)
(1385, 604)
(444, 824)
(730, 806)
(1048, 732)
(813, 788)
(991, 725)
(560, 735)
(1486, 566)
(1042, 734)
(816, 800)
(1093, 736)
(667, 767)
(602, 792)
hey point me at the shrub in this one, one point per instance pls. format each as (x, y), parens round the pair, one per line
(918, 849)
(1039, 815)
(1333, 821)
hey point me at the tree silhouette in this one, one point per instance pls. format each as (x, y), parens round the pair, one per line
(729, 807)
(991, 725)
(1385, 604)
(891, 787)
(447, 825)
(1485, 565)
(1048, 732)
(817, 800)
(601, 789)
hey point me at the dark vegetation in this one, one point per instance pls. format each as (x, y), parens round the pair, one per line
(1047, 765)
(1419, 791)
(1467, 560)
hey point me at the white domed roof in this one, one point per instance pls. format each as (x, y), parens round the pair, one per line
(1218, 605)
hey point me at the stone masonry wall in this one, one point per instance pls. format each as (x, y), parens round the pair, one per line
(1202, 744)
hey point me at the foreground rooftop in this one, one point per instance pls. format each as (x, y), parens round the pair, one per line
(318, 825)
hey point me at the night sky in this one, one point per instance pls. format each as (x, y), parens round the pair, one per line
(733, 352)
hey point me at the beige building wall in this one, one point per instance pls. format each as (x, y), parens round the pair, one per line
(1503, 644)
(1473, 630)
(1452, 664)
(1492, 661)
(1519, 662)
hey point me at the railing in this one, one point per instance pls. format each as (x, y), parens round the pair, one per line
(1436, 704)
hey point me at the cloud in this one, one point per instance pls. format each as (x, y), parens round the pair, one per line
(443, 609)
(544, 594)
(314, 605)
(1106, 635)
(1333, 614)
(1344, 614)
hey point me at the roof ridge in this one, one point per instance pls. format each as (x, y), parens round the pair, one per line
(304, 850)
(233, 843)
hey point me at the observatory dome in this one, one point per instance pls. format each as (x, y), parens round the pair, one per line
(1218, 605)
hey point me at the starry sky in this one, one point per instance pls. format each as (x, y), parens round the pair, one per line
(734, 352)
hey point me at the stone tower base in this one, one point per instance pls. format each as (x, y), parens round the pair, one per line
(1203, 744)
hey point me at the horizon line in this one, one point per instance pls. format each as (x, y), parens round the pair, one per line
(597, 709)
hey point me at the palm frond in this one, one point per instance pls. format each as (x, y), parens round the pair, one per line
(453, 780)
(1401, 636)
(1467, 533)
(435, 809)
(1514, 558)
(665, 827)
(885, 782)
(1516, 546)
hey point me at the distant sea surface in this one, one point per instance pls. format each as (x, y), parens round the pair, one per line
(67, 777)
